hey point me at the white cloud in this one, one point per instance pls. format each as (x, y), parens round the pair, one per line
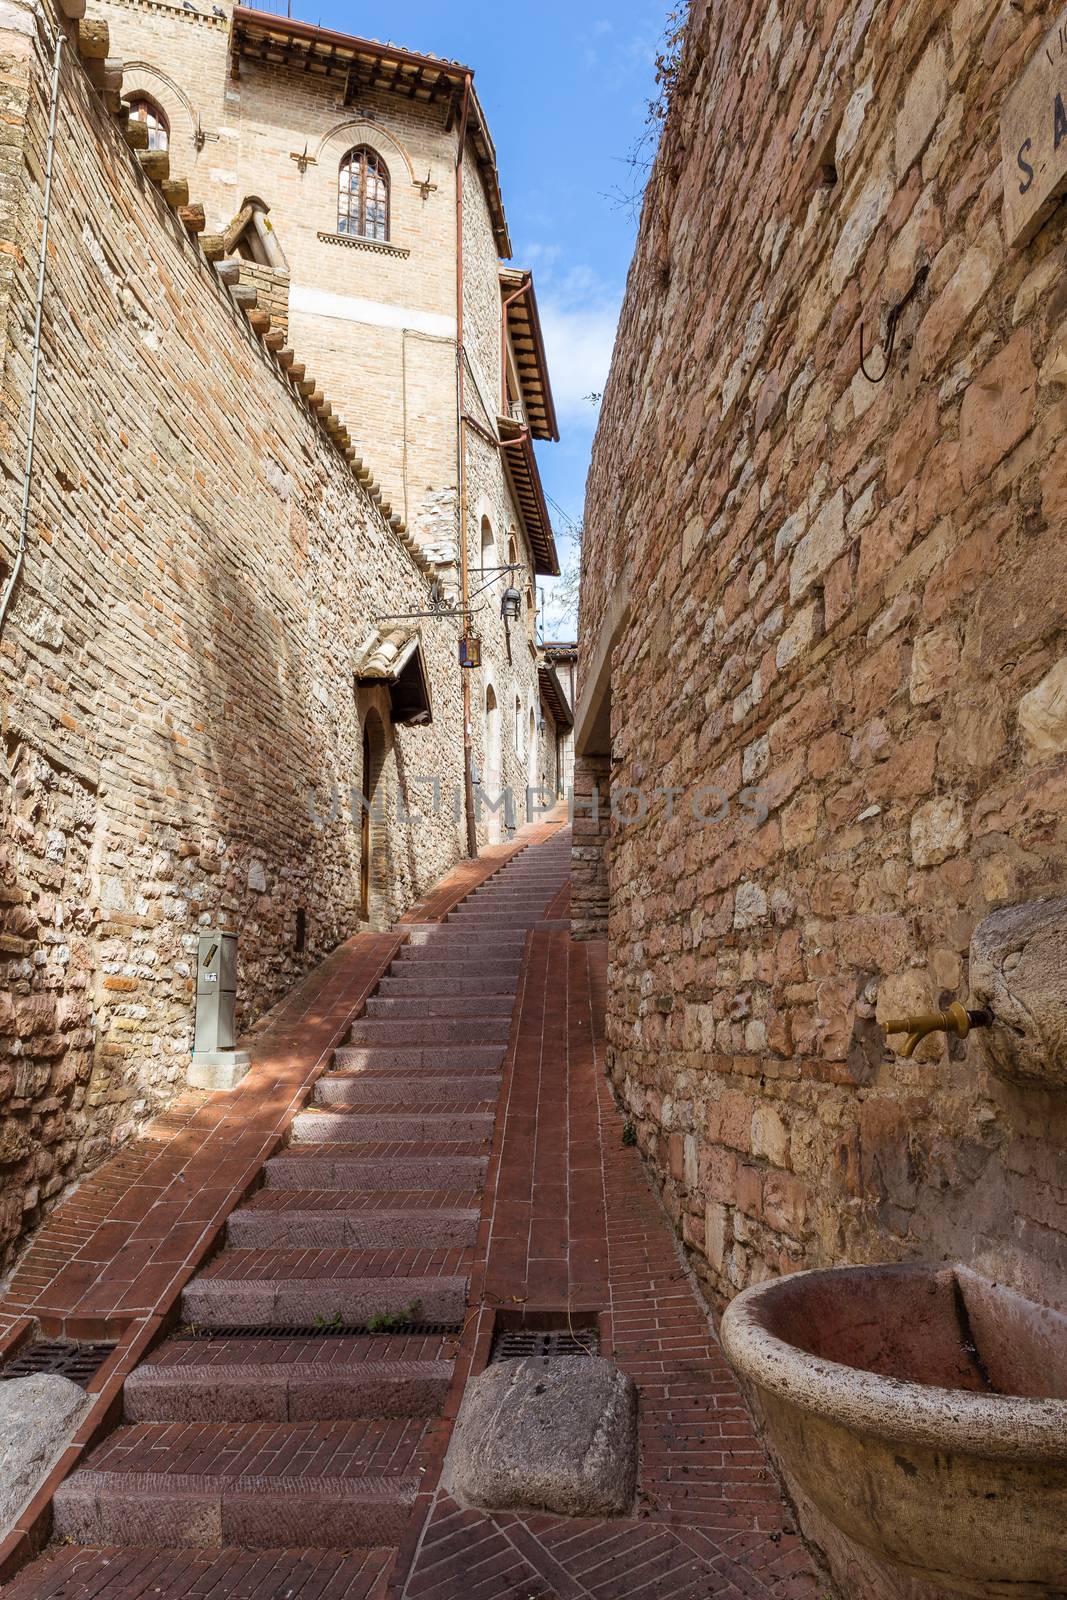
(579, 317)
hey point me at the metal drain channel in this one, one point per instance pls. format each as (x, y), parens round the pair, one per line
(78, 1362)
(516, 1344)
(332, 1330)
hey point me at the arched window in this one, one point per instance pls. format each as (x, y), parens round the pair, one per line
(513, 554)
(488, 545)
(363, 194)
(144, 110)
(518, 726)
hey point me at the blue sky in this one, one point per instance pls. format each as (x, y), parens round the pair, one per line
(564, 84)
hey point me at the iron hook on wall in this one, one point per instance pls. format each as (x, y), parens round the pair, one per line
(891, 323)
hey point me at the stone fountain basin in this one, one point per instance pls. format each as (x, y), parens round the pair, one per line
(923, 1409)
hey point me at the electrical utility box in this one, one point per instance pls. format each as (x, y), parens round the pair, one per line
(216, 992)
(216, 1064)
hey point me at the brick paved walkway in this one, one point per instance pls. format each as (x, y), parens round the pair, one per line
(570, 1221)
(370, 1210)
(463, 1152)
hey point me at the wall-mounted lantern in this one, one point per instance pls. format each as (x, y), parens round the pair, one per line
(470, 650)
(511, 605)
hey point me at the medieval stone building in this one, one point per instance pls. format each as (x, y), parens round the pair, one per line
(232, 562)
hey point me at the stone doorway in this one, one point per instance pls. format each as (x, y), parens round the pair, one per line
(372, 852)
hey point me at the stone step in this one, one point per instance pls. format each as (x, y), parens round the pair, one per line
(165, 1510)
(261, 1228)
(431, 1030)
(451, 937)
(483, 920)
(461, 958)
(409, 1173)
(391, 1009)
(514, 892)
(456, 1057)
(409, 980)
(429, 960)
(292, 1302)
(366, 1089)
(302, 1390)
(326, 1126)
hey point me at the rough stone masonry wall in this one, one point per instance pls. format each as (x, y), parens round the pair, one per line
(854, 597)
(178, 701)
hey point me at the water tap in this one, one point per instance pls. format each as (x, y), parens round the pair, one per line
(956, 1019)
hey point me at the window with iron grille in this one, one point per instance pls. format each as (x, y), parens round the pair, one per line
(144, 110)
(363, 195)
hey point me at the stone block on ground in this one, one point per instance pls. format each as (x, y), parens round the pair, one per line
(554, 1434)
(39, 1415)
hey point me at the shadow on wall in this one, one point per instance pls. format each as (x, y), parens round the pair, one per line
(257, 741)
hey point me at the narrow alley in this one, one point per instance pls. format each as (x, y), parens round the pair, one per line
(459, 1169)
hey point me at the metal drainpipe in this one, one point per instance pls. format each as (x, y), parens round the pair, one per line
(461, 474)
(35, 362)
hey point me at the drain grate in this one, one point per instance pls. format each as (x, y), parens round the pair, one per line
(514, 1344)
(329, 1330)
(78, 1362)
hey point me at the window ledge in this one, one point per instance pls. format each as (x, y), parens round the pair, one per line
(355, 242)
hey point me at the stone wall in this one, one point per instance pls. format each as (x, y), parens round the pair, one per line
(591, 825)
(180, 722)
(850, 597)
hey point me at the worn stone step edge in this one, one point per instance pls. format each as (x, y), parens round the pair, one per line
(292, 1391)
(168, 1510)
(341, 1229)
(408, 1174)
(325, 1126)
(361, 1088)
(457, 1057)
(296, 1303)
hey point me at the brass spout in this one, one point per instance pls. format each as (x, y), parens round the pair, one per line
(955, 1019)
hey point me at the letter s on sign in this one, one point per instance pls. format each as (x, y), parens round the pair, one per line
(1024, 165)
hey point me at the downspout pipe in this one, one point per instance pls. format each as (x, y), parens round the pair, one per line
(461, 474)
(35, 358)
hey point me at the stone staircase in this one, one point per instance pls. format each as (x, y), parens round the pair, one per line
(239, 1436)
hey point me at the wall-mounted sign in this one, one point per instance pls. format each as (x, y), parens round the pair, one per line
(1033, 138)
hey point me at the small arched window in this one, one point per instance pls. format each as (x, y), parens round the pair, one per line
(488, 545)
(518, 726)
(363, 195)
(144, 110)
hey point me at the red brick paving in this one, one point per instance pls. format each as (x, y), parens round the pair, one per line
(262, 1449)
(569, 1220)
(130, 1574)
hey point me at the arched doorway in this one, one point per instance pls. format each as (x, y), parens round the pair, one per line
(491, 776)
(371, 824)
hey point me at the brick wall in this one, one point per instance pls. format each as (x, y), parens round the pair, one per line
(179, 715)
(853, 597)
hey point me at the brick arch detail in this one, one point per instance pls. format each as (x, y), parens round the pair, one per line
(358, 131)
(142, 78)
